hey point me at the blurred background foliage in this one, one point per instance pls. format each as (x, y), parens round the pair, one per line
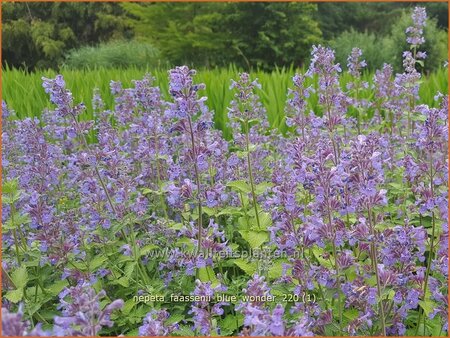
(248, 35)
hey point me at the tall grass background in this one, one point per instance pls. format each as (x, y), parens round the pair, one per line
(23, 90)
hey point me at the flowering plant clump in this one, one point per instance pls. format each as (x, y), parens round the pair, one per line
(147, 221)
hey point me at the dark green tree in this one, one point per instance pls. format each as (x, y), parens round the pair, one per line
(215, 34)
(373, 17)
(39, 34)
(267, 34)
(185, 33)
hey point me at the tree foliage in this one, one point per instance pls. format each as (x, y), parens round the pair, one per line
(39, 34)
(388, 48)
(247, 34)
(436, 44)
(208, 34)
(375, 17)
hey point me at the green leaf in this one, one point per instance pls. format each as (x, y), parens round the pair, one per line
(57, 287)
(265, 220)
(31, 263)
(230, 211)
(351, 314)
(244, 223)
(252, 122)
(14, 296)
(350, 273)
(117, 227)
(10, 186)
(20, 277)
(262, 187)
(231, 324)
(427, 306)
(123, 281)
(9, 224)
(252, 147)
(147, 248)
(128, 306)
(387, 293)
(240, 186)
(96, 262)
(397, 186)
(248, 268)
(176, 226)
(276, 270)
(184, 331)
(324, 262)
(33, 308)
(419, 117)
(372, 281)
(133, 333)
(129, 268)
(174, 318)
(19, 219)
(206, 274)
(254, 238)
(185, 242)
(147, 191)
(209, 211)
(11, 198)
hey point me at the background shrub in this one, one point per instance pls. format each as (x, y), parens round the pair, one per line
(117, 54)
(435, 45)
(388, 48)
(373, 48)
(37, 35)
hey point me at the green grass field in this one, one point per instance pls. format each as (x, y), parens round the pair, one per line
(23, 91)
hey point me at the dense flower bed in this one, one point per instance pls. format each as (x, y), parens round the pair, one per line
(146, 221)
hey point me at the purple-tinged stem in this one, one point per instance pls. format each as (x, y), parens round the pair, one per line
(250, 174)
(197, 178)
(375, 267)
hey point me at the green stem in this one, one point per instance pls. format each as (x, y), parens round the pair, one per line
(431, 254)
(16, 246)
(16, 242)
(97, 172)
(163, 203)
(245, 210)
(250, 173)
(336, 265)
(358, 115)
(102, 183)
(197, 177)
(320, 287)
(375, 267)
(139, 265)
(8, 277)
(338, 282)
(20, 234)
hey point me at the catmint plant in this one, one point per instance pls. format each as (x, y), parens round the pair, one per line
(355, 67)
(82, 313)
(333, 223)
(185, 107)
(155, 324)
(205, 308)
(247, 118)
(408, 82)
(331, 98)
(296, 107)
(13, 324)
